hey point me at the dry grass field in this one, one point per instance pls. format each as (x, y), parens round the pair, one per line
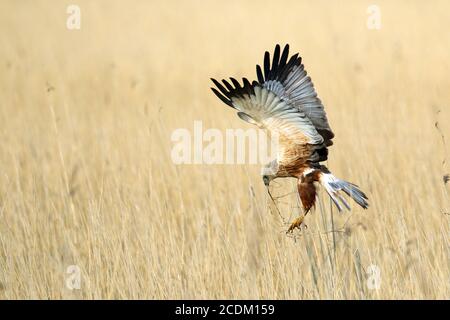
(87, 178)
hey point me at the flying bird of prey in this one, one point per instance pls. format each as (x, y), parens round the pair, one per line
(284, 102)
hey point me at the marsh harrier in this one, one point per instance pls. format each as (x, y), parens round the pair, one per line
(284, 102)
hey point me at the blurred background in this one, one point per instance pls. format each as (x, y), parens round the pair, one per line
(92, 205)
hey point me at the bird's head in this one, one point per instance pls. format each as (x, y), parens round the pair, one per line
(269, 172)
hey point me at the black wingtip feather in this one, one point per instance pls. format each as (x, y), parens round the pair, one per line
(284, 55)
(275, 61)
(266, 65)
(221, 97)
(259, 74)
(236, 83)
(279, 66)
(229, 86)
(247, 86)
(224, 91)
(277, 69)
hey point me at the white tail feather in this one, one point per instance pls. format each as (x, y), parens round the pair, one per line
(333, 186)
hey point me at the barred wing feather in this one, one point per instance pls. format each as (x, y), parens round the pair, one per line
(264, 108)
(289, 80)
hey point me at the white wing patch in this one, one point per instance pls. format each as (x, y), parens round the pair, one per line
(268, 110)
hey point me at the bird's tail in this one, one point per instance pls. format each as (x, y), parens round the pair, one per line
(334, 186)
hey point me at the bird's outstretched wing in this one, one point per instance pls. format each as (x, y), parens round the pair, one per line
(280, 101)
(290, 81)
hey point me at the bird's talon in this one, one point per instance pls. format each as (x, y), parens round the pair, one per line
(296, 224)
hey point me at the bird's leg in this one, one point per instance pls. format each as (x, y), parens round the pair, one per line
(298, 222)
(307, 193)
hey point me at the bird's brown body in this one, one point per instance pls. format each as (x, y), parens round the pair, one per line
(306, 176)
(307, 189)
